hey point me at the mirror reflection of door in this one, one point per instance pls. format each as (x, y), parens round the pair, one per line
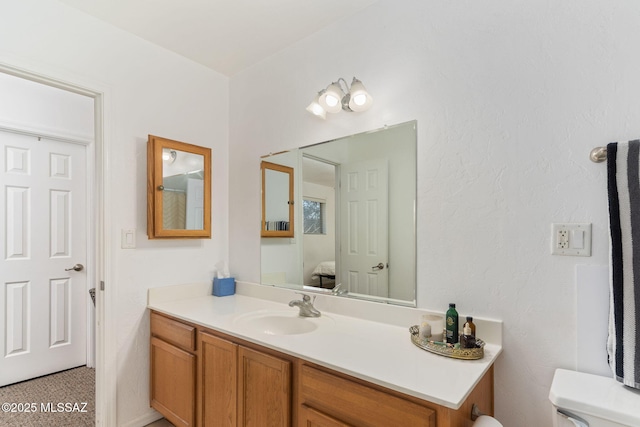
(183, 193)
(365, 227)
(319, 222)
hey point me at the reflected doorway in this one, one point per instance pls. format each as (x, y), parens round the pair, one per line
(319, 222)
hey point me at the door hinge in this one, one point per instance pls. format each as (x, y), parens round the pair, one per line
(102, 285)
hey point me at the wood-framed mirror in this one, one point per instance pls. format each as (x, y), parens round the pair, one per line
(178, 190)
(277, 200)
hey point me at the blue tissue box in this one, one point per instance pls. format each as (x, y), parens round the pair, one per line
(224, 287)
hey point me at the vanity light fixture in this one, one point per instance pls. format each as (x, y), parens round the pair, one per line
(339, 96)
(169, 156)
(316, 109)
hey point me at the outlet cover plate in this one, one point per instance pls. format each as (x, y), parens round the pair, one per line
(571, 239)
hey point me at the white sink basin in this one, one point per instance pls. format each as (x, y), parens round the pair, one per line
(271, 322)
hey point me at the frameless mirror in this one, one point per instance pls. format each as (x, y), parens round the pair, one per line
(178, 189)
(355, 210)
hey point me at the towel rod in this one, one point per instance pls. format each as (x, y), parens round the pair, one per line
(598, 154)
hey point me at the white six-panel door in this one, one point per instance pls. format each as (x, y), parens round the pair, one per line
(43, 306)
(364, 227)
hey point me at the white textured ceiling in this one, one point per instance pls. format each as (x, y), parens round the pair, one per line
(225, 35)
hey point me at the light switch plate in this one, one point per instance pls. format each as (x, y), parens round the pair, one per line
(128, 238)
(571, 239)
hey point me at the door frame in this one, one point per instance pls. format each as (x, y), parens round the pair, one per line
(99, 253)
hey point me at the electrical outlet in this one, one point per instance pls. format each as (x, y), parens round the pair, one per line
(571, 239)
(563, 239)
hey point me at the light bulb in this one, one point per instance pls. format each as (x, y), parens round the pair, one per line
(169, 155)
(331, 100)
(360, 99)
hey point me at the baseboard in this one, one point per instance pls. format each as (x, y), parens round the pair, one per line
(145, 419)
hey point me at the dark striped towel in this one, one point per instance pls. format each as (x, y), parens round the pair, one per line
(623, 165)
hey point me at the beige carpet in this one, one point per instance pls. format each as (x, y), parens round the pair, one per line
(63, 399)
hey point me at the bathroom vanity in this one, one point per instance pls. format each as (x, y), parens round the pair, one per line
(217, 361)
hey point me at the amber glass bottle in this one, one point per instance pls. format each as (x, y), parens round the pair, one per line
(472, 326)
(467, 340)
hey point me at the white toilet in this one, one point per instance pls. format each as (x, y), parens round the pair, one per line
(582, 400)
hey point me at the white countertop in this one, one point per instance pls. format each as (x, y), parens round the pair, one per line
(380, 353)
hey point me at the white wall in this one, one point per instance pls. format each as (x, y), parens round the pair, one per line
(25, 104)
(147, 90)
(510, 97)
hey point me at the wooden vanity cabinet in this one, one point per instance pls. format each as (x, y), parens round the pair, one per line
(173, 370)
(331, 399)
(243, 386)
(204, 378)
(218, 381)
(264, 389)
(201, 378)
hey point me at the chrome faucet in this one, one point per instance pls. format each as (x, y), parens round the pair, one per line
(306, 306)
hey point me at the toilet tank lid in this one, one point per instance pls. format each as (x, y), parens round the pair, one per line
(595, 395)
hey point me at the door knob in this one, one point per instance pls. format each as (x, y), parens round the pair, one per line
(77, 267)
(380, 266)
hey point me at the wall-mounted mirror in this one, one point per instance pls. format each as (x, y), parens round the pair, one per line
(277, 200)
(178, 189)
(355, 209)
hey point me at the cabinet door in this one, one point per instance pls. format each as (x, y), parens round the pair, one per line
(218, 378)
(173, 379)
(312, 418)
(264, 390)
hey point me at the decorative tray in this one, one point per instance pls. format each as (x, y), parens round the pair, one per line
(447, 350)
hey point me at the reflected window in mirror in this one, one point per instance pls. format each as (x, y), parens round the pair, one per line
(313, 212)
(179, 189)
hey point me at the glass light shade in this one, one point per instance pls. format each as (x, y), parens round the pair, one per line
(316, 109)
(360, 98)
(330, 98)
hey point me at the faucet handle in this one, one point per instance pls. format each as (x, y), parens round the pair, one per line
(305, 297)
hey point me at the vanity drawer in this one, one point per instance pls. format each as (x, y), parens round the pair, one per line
(173, 332)
(348, 403)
